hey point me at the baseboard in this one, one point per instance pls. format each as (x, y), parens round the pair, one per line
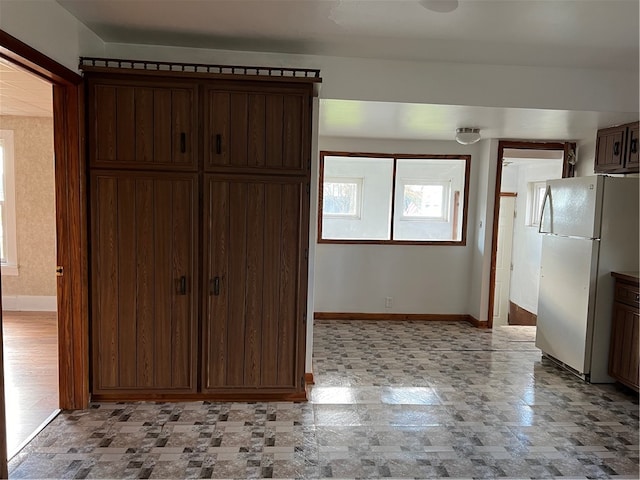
(477, 323)
(521, 316)
(423, 317)
(308, 378)
(29, 303)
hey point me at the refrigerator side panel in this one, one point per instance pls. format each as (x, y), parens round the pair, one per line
(573, 206)
(566, 299)
(619, 247)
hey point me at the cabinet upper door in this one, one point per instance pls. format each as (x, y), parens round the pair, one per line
(142, 126)
(610, 149)
(144, 236)
(255, 292)
(633, 163)
(262, 130)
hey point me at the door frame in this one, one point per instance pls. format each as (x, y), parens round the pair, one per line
(568, 170)
(71, 217)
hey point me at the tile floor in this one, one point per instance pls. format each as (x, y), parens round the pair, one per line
(392, 399)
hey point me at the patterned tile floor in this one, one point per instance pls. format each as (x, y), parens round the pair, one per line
(392, 399)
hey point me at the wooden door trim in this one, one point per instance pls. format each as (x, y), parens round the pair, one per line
(70, 178)
(567, 171)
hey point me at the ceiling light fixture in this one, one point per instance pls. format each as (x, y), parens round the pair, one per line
(439, 6)
(467, 136)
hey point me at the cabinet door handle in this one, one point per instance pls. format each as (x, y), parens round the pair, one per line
(637, 297)
(214, 286)
(634, 145)
(183, 142)
(218, 144)
(616, 148)
(181, 285)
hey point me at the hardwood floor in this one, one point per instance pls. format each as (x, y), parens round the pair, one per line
(30, 372)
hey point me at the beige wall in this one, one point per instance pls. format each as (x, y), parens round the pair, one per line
(35, 206)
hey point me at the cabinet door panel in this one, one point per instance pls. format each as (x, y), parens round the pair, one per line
(633, 162)
(252, 326)
(142, 126)
(610, 149)
(256, 130)
(144, 234)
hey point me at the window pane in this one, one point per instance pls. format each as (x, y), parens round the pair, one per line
(429, 199)
(356, 198)
(1, 170)
(341, 197)
(422, 201)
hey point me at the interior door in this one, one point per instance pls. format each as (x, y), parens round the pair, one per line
(144, 233)
(503, 260)
(256, 233)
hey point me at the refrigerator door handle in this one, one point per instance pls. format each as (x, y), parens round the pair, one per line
(547, 194)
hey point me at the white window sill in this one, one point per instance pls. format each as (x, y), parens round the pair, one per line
(9, 270)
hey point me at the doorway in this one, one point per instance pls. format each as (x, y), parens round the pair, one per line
(523, 168)
(27, 250)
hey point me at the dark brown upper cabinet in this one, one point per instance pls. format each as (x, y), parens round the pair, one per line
(617, 149)
(142, 125)
(257, 130)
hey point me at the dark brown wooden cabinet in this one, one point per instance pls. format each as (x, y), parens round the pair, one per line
(255, 247)
(256, 130)
(177, 313)
(145, 281)
(624, 354)
(617, 149)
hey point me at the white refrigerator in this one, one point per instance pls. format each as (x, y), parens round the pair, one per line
(590, 228)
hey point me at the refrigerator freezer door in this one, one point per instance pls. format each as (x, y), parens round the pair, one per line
(565, 300)
(573, 207)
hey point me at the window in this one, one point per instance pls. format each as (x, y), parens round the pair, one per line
(8, 250)
(537, 191)
(342, 197)
(379, 198)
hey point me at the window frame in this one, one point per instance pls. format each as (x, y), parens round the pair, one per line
(395, 157)
(358, 182)
(9, 267)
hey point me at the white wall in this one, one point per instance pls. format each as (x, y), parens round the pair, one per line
(419, 278)
(50, 29)
(527, 242)
(485, 178)
(429, 82)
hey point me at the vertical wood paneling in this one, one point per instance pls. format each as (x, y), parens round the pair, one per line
(106, 366)
(144, 125)
(292, 132)
(219, 120)
(163, 131)
(163, 244)
(274, 130)
(105, 123)
(145, 261)
(271, 283)
(217, 244)
(237, 282)
(254, 279)
(256, 132)
(288, 284)
(181, 112)
(127, 281)
(125, 116)
(238, 129)
(184, 232)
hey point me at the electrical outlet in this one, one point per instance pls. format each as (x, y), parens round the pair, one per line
(387, 302)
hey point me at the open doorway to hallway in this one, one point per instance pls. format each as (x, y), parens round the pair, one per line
(28, 253)
(522, 187)
(522, 171)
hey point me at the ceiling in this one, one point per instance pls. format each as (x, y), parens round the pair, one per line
(574, 33)
(581, 34)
